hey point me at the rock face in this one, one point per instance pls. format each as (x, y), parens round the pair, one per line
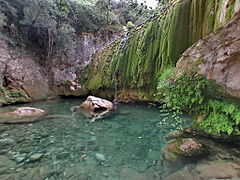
(22, 73)
(21, 115)
(25, 74)
(67, 71)
(217, 57)
(153, 47)
(34, 78)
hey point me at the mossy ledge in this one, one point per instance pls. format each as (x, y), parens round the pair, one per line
(153, 47)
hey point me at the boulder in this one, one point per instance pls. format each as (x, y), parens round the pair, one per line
(95, 108)
(183, 148)
(22, 115)
(96, 104)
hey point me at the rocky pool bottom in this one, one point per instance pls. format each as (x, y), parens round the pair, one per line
(126, 145)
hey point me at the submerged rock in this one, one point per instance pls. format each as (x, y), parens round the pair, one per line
(36, 157)
(5, 164)
(182, 148)
(22, 115)
(181, 175)
(100, 157)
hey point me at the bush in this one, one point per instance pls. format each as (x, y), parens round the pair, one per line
(191, 93)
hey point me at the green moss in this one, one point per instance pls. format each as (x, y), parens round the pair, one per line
(95, 82)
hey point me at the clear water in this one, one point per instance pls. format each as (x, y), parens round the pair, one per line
(125, 145)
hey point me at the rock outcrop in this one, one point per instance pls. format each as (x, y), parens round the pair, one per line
(22, 78)
(217, 57)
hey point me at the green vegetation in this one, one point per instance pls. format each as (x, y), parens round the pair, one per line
(191, 93)
(53, 26)
(15, 94)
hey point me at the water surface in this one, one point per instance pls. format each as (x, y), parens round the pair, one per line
(64, 145)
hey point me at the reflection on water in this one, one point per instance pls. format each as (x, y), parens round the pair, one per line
(63, 145)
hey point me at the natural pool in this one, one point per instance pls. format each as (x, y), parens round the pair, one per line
(126, 145)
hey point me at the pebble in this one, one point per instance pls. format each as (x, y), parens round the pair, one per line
(100, 157)
(36, 157)
(105, 174)
(7, 141)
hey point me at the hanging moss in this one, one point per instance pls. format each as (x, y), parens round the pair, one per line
(157, 45)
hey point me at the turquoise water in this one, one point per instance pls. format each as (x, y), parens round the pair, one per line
(124, 145)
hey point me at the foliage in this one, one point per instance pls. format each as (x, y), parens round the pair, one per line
(15, 94)
(190, 93)
(132, 11)
(65, 41)
(184, 93)
(221, 118)
(130, 25)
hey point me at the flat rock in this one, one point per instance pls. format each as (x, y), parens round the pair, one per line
(22, 115)
(218, 170)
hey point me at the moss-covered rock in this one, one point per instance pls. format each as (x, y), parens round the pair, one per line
(183, 148)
